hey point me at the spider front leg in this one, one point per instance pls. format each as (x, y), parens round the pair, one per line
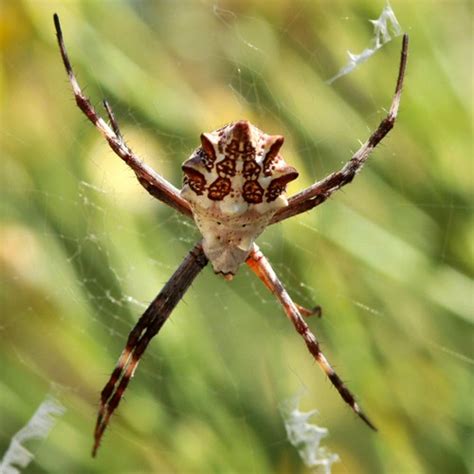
(146, 328)
(319, 192)
(262, 268)
(156, 185)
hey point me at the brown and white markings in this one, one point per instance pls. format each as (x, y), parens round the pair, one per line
(235, 182)
(234, 186)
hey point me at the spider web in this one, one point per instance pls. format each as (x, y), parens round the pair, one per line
(85, 248)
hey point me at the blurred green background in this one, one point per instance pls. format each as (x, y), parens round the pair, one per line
(83, 248)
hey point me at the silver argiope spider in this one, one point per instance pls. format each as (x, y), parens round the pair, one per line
(234, 186)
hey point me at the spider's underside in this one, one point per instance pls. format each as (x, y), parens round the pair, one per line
(234, 186)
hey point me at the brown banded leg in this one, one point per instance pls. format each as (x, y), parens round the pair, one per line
(319, 192)
(155, 184)
(146, 328)
(262, 268)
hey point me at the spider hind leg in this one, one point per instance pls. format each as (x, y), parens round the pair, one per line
(146, 328)
(262, 268)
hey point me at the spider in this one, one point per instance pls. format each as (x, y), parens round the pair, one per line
(234, 186)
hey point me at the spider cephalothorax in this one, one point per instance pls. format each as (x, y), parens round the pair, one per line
(235, 182)
(234, 187)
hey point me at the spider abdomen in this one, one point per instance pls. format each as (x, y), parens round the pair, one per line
(235, 182)
(228, 239)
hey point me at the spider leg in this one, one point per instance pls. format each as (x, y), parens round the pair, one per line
(262, 268)
(156, 185)
(319, 192)
(146, 328)
(112, 120)
(307, 312)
